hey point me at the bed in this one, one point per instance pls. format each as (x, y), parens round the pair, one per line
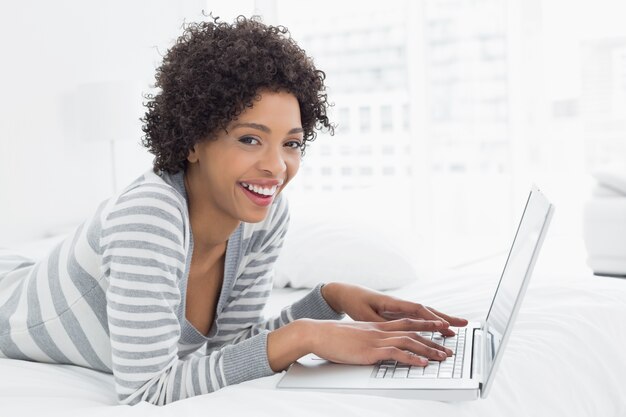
(565, 356)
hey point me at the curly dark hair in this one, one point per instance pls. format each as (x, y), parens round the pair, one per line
(215, 71)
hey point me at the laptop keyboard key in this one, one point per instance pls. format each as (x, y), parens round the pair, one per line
(401, 373)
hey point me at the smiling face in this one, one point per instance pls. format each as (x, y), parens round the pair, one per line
(238, 174)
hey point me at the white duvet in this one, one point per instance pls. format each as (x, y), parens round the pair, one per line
(566, 357)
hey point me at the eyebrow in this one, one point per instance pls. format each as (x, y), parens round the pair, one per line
(266, 129)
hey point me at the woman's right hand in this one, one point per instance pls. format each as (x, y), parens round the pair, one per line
(365, 343)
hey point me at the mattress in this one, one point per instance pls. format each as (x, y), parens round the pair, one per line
(565, 358)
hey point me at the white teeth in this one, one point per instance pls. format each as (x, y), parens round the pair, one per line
(260, 190)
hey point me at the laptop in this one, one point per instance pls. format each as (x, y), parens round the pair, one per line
(478, 347)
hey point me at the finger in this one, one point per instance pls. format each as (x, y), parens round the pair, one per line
(412, 345)
(454, 321)
(372, 317)
(447, 332)
(408, 324)
(434, 345)
(412, 309)
(393, 315)
(400, 355)
(422, 340)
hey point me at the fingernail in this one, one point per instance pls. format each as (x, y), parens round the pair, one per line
(442, 354)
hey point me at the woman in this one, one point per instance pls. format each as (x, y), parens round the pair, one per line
(164, 285)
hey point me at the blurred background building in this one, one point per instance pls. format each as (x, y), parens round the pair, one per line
(436, 102)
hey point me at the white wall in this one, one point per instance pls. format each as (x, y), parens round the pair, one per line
(50, 180)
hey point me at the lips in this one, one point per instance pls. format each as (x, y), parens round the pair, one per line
(257, 199)
(262, 182)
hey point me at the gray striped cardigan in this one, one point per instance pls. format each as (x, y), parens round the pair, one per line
(111, 297)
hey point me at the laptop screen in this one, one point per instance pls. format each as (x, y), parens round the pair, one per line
(517, 270)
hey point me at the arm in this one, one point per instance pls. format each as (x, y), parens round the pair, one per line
(312, 306)
(144, 256)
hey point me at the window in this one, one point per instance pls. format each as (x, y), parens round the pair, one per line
(343, 120)
(406, 117)
(365, 119)
(386, 118)
(389, 170)
(476, 82)
(365, 171)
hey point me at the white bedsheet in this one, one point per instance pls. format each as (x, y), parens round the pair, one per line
(566, 357)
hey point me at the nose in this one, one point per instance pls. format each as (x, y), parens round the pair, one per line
(273, 161)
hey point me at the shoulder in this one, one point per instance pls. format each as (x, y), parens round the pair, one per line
(152, 187)
(150, 190)
(148, 200)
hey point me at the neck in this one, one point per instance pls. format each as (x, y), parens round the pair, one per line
(211, 228)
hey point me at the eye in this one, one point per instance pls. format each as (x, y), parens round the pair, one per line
(294, 144)
(248, 140)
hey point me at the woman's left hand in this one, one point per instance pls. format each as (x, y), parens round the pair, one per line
(363, 304)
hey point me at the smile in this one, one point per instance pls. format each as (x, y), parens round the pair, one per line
(266, 192)
(260, 196)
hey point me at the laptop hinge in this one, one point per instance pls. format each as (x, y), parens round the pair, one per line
(478, 356)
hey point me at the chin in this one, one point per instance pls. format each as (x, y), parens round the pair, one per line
(255, 218)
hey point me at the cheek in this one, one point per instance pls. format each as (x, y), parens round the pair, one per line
(234, 163)
(293, 165)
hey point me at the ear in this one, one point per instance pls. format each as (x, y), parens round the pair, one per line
(193, 156)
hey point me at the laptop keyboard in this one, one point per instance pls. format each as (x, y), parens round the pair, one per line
(451, 367)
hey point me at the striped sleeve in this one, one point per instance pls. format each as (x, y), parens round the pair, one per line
(144, 251)
(261, 267)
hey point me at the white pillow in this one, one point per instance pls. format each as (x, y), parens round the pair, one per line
(325, 250)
